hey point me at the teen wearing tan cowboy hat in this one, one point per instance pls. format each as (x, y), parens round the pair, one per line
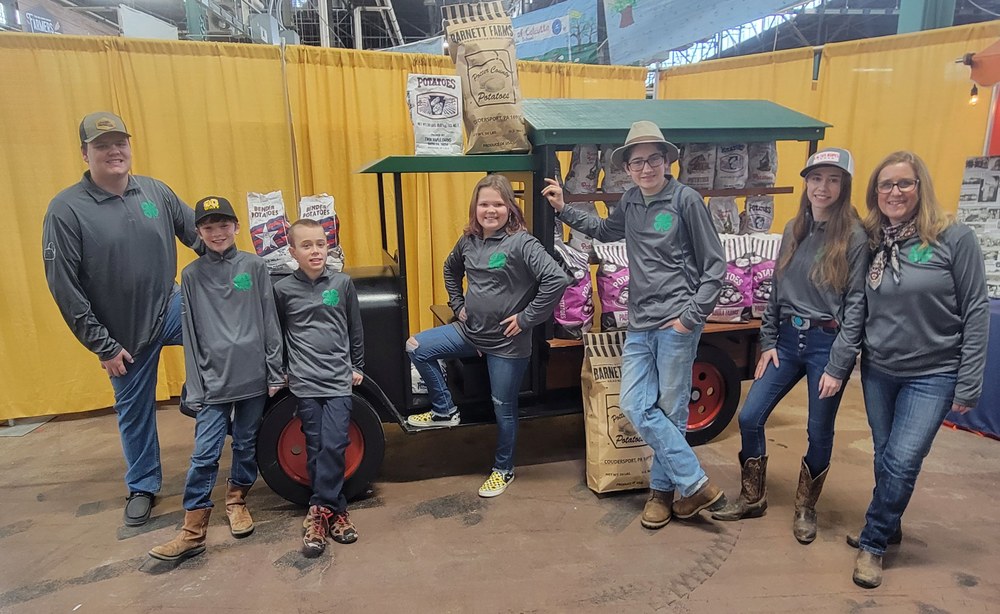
(676, 266)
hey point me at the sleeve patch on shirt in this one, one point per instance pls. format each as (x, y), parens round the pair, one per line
(920, 255)
(663, 222)
(497, 261)
(49, 253)
(331, 297)
(242, 282)
(150, 210)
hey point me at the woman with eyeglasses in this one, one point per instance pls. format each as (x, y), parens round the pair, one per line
(812, 329)
(676, 266)
(925, 339)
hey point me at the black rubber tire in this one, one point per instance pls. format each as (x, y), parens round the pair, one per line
(280, 412)
(731, 384)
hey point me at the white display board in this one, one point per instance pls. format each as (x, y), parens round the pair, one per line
(979, 208)
(136, 24)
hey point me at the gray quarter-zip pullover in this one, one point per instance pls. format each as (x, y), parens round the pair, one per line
(110, 261)
(232, 339)
(324, 341)
(937, 318)
(507, 275)
(795, 294)
(676, 263)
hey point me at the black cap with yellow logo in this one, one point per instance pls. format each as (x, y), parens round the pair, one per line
(213, 205)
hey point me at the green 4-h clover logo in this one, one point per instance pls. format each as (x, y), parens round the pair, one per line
(331, 297)
(149, 209)
(497, 260)
(920, 255)
(242, 282)
(663, 222)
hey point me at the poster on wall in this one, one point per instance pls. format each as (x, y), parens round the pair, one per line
(563, 32)
(979, 209)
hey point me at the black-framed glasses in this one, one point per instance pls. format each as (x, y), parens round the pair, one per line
(654, 161)
(904, 185)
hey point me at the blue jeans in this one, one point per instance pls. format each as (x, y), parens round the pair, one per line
(905, 414)
(800, 354)
(506, 374)
(135, 405)
(655, 392)
(211, 426)
(325, 422)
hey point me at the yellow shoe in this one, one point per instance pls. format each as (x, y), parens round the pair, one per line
(430, 420)
(495, 484)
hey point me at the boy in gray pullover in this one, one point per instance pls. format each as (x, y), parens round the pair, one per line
(321, 319)
(232, 359)
(676, 264)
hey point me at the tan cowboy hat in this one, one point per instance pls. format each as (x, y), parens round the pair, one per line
(644, 132)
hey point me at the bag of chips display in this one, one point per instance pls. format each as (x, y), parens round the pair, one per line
(765, 253)
(269, 230)
(759, 213)
(615, 179)
(481, 43)
(435, 103)
(697, 166)
(612, 284)
(735, 299)
(762, 168)
(731, 166)
(574, 314)
(321, 208)
(582, 179)
(725, 214)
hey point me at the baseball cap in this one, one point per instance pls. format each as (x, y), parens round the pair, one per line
(213, 205)
(96, 124)
(831, 156)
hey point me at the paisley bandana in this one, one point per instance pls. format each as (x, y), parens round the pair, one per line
(888, 252)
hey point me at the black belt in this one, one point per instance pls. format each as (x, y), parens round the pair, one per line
(801, 323)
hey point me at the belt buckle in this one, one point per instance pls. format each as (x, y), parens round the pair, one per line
(799, 323)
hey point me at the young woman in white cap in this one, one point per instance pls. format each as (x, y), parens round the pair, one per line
(676, 265)
(924, 342)
(812, 329)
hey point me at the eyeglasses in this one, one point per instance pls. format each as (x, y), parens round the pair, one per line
(904, 185)
(654, 161)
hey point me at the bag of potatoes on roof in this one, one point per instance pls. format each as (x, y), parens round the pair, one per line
(481, 43)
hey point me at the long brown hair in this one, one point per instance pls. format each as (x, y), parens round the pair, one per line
(930, 218)
(515, 221)
(830, 270)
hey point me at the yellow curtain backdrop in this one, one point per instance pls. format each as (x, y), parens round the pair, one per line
(784, 77)
(212, 118)
(206, 119)
(881, 95)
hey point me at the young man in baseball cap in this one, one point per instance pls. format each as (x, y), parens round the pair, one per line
(233, 362)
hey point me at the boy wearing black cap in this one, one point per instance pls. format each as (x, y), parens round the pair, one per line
(232, 358)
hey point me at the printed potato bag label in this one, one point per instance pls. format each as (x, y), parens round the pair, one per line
(612, 284)
(435, 103)
(731, 166)
(574, 314)
(269, 230)
(321, 208)
(617, 457)
(762, 260)
(762, 166)
(697, 166)
(735, 300)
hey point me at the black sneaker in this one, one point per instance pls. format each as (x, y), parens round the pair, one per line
(138, 507)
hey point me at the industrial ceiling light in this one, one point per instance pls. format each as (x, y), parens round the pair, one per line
(973, 95)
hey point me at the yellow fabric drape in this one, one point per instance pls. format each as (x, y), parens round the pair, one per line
(213, 118)
(881, 95)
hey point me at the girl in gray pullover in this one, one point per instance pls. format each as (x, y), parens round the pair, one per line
(924, 342)
(812, 329)
(513, 286)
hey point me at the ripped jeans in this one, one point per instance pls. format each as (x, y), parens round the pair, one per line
(444, 342)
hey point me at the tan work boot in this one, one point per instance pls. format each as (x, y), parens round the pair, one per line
(708, 497)
(806, 495)
(868, 569)
(854, 539)
(240, 521)
(191, 540)
(657, 512)
(753, 492)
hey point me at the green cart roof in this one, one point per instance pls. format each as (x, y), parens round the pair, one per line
(497, 163)
(563, 121)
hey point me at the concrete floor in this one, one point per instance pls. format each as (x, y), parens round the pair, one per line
(429, 544)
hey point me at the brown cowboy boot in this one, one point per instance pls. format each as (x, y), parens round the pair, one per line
(657, 512)
(753, 493)
(806, 495)
(191, 540)
(240, 522)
